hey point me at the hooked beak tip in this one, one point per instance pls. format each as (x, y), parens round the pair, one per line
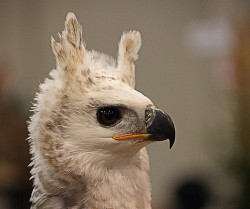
(171, 142)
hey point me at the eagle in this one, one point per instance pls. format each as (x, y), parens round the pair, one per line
(89, 128)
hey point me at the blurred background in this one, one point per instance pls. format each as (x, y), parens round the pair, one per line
(194, 64)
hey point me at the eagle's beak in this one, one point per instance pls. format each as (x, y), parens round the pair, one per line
(159, 127)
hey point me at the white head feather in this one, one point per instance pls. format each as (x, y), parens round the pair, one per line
(76, 162)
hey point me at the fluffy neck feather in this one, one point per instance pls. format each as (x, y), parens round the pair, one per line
(121, 185)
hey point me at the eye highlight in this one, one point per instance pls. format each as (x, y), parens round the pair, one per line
(108, 116)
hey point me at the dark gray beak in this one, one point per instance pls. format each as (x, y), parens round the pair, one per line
(159, 125)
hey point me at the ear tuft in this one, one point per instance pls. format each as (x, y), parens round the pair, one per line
(70, 51)
(73, 30)
(129, 46)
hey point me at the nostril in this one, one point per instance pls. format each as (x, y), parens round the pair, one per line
(149, 114)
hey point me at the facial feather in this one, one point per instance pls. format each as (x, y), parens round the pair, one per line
(89, 99)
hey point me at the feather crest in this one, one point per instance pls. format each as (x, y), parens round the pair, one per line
(129, 46)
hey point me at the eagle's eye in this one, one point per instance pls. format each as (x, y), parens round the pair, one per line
(108, 116)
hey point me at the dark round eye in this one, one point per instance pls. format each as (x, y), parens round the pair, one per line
(108, 116)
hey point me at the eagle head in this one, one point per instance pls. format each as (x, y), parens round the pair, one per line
(88, 112)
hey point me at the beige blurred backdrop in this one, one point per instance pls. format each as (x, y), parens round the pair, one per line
(186, 67)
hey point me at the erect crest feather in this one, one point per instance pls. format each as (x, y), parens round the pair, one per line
(70, 51)
(82, 65)
(129, 46)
